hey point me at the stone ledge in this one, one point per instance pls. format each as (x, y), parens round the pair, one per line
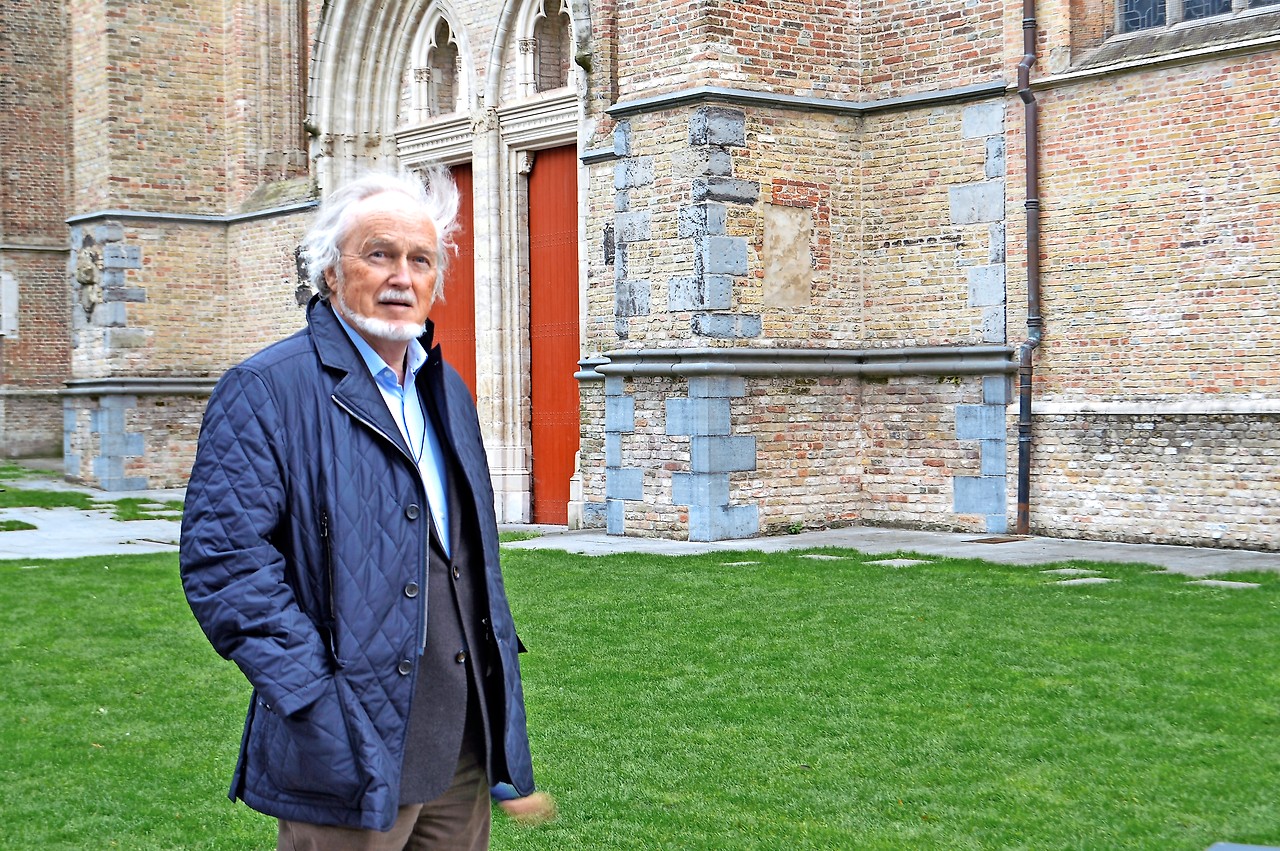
(139, 387)
(762, 362)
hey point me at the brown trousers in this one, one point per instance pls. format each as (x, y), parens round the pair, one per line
(457, 821)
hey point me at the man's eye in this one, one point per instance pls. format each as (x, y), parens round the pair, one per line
(377, 255)
(422, 261)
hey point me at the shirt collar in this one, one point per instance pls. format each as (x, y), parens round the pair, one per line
(378, 368)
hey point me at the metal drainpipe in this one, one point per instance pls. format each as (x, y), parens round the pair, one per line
(1035, 323)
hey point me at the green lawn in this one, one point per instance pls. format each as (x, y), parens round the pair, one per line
(680, 703)
(124, 508)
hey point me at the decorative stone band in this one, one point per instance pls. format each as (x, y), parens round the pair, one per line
(1194, 405)
(692, 362)
(139, 387)
(744, 97)
(192, 218)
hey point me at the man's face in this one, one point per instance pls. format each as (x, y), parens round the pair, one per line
(386, 280)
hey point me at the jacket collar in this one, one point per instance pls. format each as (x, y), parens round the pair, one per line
(334, 347)
(356, 390)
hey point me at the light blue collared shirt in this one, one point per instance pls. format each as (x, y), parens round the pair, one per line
(415, 426)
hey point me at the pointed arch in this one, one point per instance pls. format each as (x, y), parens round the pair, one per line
(516, 22)
(544, 38)
(365, 50)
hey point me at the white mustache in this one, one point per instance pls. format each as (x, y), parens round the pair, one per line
(397, 297)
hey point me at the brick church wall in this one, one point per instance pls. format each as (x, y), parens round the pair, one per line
(34, 305)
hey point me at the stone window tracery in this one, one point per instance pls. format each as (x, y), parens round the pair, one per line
(433, 83)
(546, 46)
(1138, 15)
(551, 58)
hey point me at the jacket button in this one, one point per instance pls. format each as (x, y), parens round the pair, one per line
(405, 667)
(411, 590)
(456, 573)
(461, 657)
(412, 511)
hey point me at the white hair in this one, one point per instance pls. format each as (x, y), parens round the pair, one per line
(432, 188)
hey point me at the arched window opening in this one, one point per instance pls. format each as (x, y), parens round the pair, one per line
(442, 63)
(552, 44)
(432, 83)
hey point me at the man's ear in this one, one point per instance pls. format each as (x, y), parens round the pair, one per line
(331, 278)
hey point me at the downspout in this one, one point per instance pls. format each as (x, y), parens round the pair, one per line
(1035, 323)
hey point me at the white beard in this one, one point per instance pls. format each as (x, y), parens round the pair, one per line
(399, 332)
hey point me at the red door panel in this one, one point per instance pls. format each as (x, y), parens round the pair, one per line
(455, 316)
(553, 328)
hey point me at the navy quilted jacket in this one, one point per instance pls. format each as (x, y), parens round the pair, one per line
(305, 519)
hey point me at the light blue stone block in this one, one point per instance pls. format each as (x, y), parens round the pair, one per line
(706, 292)
(717, 125)
(995, 461)
(722, 454)
(701, 220)
(723, 523)
(632, 227)
(727, 325)
(979, 494)
(993, 324)
(630, 173)
(986, 285)
(980, 422)
(724, 255)
(698, 416)
(997, 390)
(622, 139)
(612, 449)
(702, 489)
(726, 387)
(995, 164)
(117, 256)
(615, 517)
(982, 119)
(631, 297)
(977, 202)
(624, 483)
(619, 413)
(997, 523)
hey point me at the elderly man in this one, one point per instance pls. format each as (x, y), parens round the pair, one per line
(339, 545)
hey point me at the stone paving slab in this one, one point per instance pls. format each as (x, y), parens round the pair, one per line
(73, 532)
(1224, 583)
(898, 562)
(1188, 561)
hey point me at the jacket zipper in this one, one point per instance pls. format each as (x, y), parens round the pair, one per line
(331, 615)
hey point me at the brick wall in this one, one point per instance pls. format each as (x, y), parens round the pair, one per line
(1205, 480)
(33, 198)
(1162, 233)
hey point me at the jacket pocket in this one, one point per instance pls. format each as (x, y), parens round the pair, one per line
(311, 753)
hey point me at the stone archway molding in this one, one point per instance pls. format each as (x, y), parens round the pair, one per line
(357, 63)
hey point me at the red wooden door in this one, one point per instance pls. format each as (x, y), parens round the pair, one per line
(553, 328)
(455, 316)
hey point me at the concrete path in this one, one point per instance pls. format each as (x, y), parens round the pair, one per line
(69, 533)
(1190, 561)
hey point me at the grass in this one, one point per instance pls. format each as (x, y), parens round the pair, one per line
(15, 526)
(512, 536)
(133, 508)
(685, 703)
(125, 508)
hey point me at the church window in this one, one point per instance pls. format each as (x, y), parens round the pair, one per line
(442, 60)
(551, 48)
(1138, 15)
